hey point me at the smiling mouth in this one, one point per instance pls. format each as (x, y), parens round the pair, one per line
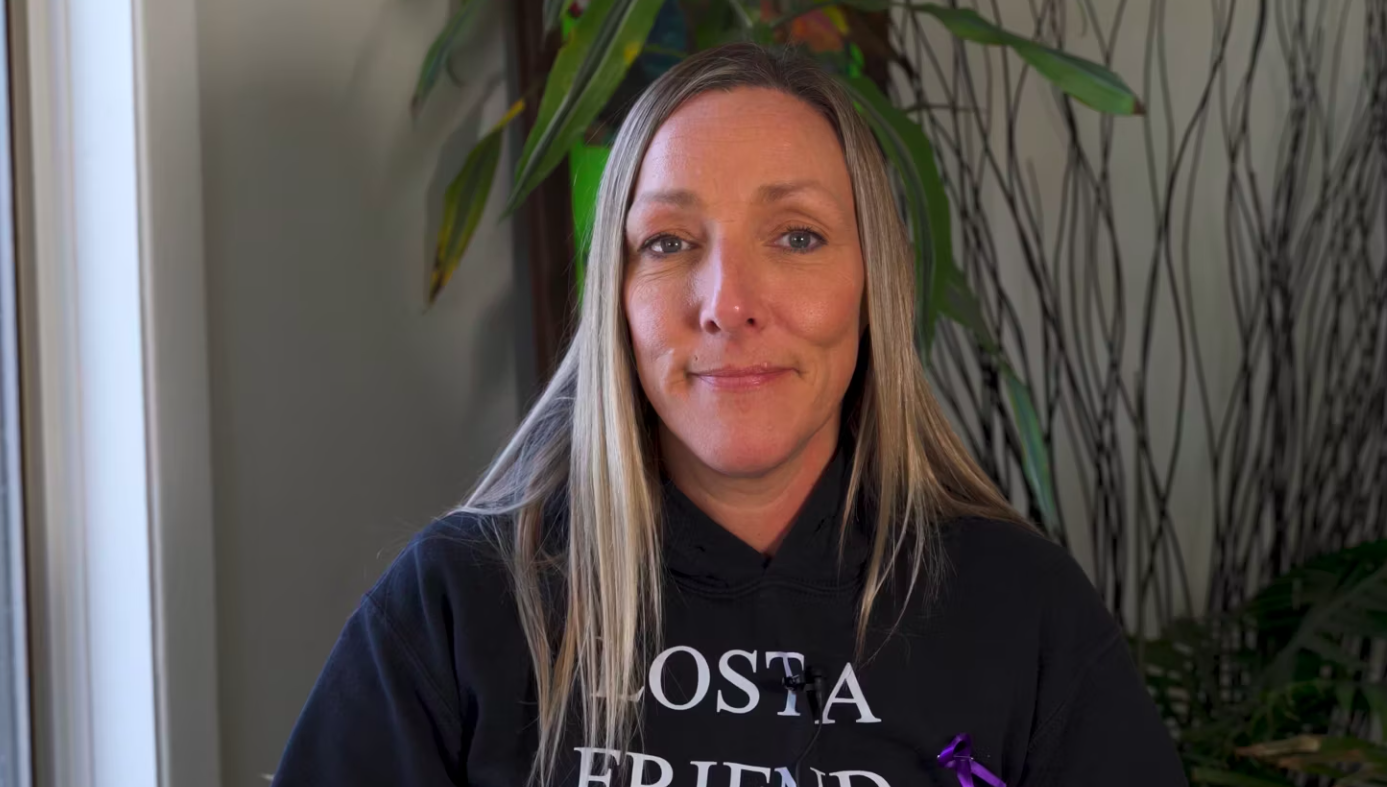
(741, 378)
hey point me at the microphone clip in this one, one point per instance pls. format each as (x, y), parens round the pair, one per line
(808, 683)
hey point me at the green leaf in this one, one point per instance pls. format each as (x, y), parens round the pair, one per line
(1319, 754)
(1231, 779)
(761, 33)
(942, 287)
(1345, 694)
(465, 201)
(1035, 460)
(954, 298)
(553, 12)
(927, 204)
(589, 67)
(1307, 610)
(1330, 651)
(744, 17)
(1376, 696)
(1086, 81)
(967, 24)
(710, 22)
(436, 60)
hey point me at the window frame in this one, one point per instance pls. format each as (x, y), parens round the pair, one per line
(15, 659)
(114, 392)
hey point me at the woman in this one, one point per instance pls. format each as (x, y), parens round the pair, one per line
(735, 542)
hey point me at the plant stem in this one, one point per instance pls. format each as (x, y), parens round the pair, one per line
(742, 15)
(656, 49)
(937, 105)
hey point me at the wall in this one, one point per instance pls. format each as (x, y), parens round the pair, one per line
(1151, 345)
(344, 416)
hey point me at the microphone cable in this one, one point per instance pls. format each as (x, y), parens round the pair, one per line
(809, 684)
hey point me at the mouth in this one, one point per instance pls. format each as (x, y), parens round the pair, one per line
(741, 378)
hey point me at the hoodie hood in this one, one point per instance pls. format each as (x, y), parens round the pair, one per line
(700, 552)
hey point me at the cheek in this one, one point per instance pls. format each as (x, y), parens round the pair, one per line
(650, 315)
(828, 310)
(829, 319)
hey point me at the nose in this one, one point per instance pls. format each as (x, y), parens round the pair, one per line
(730, 292)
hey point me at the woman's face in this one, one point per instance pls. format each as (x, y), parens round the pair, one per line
(744, 279)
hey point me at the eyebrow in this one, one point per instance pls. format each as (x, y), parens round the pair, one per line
(774, 192)
(765, 195)
(679, 198)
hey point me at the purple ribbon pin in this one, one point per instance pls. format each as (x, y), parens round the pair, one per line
(958, 757)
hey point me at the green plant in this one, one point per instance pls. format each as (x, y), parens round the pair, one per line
(1287, 683)
(1347, 760)
(609, 35)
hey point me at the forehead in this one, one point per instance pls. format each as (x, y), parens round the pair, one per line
(726, 144)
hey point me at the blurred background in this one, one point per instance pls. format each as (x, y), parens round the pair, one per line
(279, 279)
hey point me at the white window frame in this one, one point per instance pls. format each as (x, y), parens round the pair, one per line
(17, 768)
(115, 402)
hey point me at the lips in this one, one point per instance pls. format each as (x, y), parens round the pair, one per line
(741, 378)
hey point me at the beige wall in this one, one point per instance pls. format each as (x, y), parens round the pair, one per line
(343, 416)
(1041, 152)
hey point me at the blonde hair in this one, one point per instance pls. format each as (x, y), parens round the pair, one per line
(586, 451)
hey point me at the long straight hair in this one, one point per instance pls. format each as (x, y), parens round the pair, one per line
(586, 450)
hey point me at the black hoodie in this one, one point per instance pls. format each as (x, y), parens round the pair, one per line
(431, 683)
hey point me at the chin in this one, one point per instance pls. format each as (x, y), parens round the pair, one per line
(735, 452)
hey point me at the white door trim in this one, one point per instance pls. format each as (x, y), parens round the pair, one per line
(178, 391)
(115, 392)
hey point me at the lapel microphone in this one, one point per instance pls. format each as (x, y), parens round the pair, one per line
(807, 683)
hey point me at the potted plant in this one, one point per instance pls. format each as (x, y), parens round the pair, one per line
(605, 38)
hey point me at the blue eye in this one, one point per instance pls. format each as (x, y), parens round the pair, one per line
(802, 240)
(666, 244)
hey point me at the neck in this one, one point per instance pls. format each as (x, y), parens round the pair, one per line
(759, 509)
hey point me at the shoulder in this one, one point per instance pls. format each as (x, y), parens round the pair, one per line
(447, 603)
(1008, 586)
(456, 564)
(981, 551)
(1015, 576)
(998, 543)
